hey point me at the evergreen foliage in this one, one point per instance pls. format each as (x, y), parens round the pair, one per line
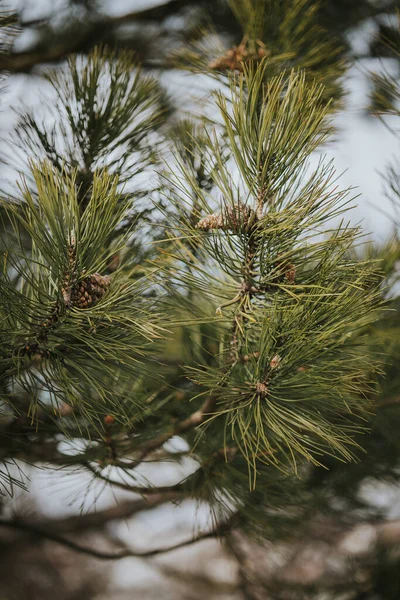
(277, 271)
(200, 279)
(69, 334)
(286, 32)
(384, 97)
(273, 264)
(103, 113)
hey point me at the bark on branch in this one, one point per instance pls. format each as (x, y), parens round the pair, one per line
(40, 532)
(91, 33)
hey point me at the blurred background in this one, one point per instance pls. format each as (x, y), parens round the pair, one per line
(343, 554)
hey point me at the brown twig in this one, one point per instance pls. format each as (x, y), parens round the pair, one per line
(137, 489)
(97, 520)
(58, 539)
(388, 402)
(244, 583)
(194, 420)
(91, 34)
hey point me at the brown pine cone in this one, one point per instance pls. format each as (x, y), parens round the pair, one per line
(88, 291)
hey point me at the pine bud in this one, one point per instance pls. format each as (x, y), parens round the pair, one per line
(247, 357)
(287, 269)
(291, 273)
(234, 58)
(261, 389)
(275, 361)
(238, 216)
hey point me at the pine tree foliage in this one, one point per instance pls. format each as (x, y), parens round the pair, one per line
(103, 112)
(384, 97)
(8, 29)
(276, 270)
(377, 575)
(69, 334)
(291, 304)
(285, 32)
(250, 327)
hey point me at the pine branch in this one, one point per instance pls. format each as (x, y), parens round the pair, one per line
(245, 584)
(306, 568)
(87, 34)
(74, 330)
(176, 489)
(286, 32)
(388, 402)
(95, 521)
(261, 253)
(53, 537)
(194, 420)
(106, 114)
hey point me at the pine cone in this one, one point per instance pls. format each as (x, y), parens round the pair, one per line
(234, 218)
(213, 221)
(88, 291)
(234, 58)
(291, 273)
(238, 216)
(287, 270)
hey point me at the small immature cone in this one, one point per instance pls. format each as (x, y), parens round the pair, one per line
(238, 216)
(261, 389)
(65, 410)
(287, 269)
(275, 361)
(248, 357)
(233, 219)
(230, 61)
(291, 273)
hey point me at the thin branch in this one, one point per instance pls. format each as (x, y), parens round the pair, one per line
(42, 533)
(97, 520)
(330, 539)
(23, 62)
(135, 488)
(194, 420)
(244, 583)
(91, 34)
(157, 13)
(388, 402)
